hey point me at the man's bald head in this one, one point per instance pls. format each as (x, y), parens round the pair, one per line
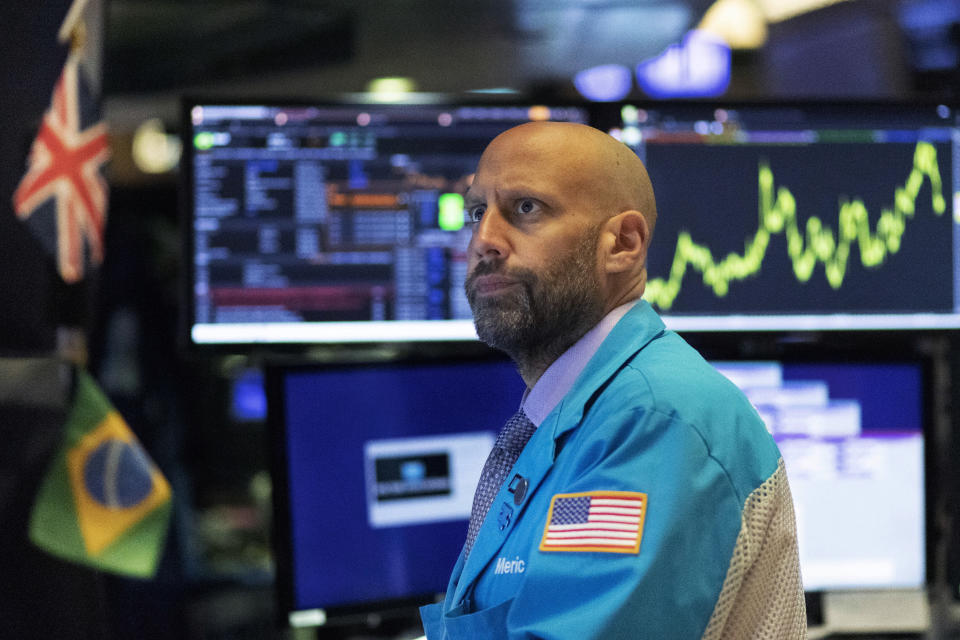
(593, 161)
(562, 216)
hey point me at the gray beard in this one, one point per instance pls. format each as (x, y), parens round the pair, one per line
(547, 314)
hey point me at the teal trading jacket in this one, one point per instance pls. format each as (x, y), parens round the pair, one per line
(708, 547)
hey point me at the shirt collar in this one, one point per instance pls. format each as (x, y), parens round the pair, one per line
(559, 377)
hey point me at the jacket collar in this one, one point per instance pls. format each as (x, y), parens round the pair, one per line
(636, 329)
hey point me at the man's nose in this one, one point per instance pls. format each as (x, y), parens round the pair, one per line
(489, 239)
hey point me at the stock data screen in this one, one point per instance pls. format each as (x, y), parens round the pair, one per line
(344, 223)
(816, 216)
(335, 223)
(852, 439)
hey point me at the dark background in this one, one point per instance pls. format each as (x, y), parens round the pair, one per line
(216, 578)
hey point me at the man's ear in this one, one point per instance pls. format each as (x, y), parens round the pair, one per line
(627, 236)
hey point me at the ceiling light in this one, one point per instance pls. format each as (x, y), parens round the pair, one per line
(391, 89)
(740, 23)
(698, 67)
(153, 150)
(606, 83)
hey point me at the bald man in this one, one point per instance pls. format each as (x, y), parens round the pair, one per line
(636, 494)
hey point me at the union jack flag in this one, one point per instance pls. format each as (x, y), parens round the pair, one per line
(595, 521)
(63, 195)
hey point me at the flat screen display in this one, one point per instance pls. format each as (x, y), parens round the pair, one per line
(332, 223)
(810, 216)
(343, 223)
(379, 464)
(852, 440)
(375, 466)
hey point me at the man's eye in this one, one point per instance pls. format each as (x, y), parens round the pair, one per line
(473, 214)
(527, 206)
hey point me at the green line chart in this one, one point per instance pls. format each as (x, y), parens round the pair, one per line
(815, 244)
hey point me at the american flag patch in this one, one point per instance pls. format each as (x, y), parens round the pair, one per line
(595, 521)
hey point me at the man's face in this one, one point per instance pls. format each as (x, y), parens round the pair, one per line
(532, 278)
(541, 306)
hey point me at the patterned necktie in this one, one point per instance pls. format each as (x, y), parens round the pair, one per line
(505, 452)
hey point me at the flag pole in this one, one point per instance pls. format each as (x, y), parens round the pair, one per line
(71, 340)
(72, 21)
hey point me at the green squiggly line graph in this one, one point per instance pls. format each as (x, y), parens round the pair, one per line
(819, 244)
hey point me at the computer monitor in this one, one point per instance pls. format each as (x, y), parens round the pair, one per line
(852, 437)
(342, 223)
(375, 466)
(800, 216)
(331, 223)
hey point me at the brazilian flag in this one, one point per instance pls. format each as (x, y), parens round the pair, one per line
(103, 502)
